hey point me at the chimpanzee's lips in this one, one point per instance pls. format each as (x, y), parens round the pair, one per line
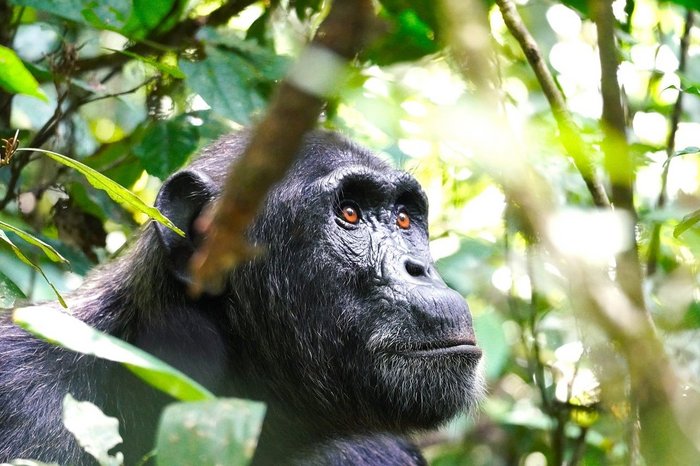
(445, 348)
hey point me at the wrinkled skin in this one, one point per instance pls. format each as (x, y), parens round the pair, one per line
(343, 325)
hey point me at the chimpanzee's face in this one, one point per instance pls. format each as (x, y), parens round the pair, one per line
(369, 325)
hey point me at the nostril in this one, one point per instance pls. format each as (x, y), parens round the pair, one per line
(415, 268)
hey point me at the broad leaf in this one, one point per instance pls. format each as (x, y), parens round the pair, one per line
(268, 66)
(133, 19)
(224, 431)
(151, 13)
(64, 330)
(96, 433)
(117, 192)
(167, 145)
(14, 76)
(227, 83)
(50, 252)
(20, 255)
(113, 12)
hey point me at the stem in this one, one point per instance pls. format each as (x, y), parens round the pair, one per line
(655, 242)
(569, 133)
(579, 447)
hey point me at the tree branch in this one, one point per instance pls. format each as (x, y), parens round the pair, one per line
(617, 157)
(569, 133)
(618, 161)
(293, 111)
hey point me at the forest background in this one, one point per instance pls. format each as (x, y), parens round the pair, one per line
(558, 143)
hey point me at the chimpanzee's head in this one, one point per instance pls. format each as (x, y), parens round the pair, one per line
(343, 320)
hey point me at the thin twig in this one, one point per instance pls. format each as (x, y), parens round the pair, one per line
(655, 241)
(569, 133)
(116, 94)
(21, 160)
(47, 131)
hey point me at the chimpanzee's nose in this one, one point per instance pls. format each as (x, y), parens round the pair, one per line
(411, 269)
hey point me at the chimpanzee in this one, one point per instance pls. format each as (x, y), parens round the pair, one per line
(341, 325)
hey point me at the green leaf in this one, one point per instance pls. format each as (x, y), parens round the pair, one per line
(212, 432)
(96, 433)
(171, 70)
(15, 78)
(691, 318)
(410, 37)
(9, 292)
(268, 66)
(50, 252)
(686, 151)
(68, 332)
(113, 15)
(117, 192)
(689, 4)
(687, 222)
(166, 145)
(227, 83)
(20, 255)
(691, 89)
(73, 10)
(152, 12)
(109, 14)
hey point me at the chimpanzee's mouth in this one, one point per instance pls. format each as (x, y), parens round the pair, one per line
(445, 348)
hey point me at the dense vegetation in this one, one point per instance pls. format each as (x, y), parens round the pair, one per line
(524, 123)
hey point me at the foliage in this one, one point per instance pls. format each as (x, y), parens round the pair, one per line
(64, 330)
(224, 431)
(132, 90)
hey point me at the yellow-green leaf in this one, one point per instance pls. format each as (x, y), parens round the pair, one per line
(20, 255)
(113, 189)
(14, 76)
(69, 332)
(50, 252)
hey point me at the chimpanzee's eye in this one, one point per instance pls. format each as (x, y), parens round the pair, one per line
(403, 220)
(350, 212)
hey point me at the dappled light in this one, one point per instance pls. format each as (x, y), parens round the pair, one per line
(574, 241)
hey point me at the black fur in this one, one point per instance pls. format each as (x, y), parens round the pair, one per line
(346, 331)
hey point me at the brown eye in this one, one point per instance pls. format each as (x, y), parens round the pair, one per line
(350, 214)
(403, 220)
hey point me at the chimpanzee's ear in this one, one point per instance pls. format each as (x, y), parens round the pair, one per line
(181, 199)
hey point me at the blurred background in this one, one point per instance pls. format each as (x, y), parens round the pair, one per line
(445, 91)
